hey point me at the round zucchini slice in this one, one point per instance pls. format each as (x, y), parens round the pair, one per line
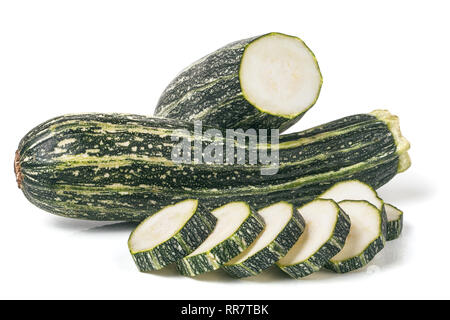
(263, 82)
(353, 190)
(365, 239)
(394, 222)
(170, 234)
(327, 227)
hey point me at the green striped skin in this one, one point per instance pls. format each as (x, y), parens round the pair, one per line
(394, 227)
(328, 250)
(266, 257)
(210, 90)
(368, 253)
(182, 243)
(118, 167)
(223, 252)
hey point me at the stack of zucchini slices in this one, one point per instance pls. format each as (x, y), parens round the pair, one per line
(342, 231)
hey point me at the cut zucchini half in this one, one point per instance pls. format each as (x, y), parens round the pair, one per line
(327, 227)
(264, 82)
(284, 225)
(170, 234)
(365, 239)
(394, 222)
(238, 225)
(353, 190)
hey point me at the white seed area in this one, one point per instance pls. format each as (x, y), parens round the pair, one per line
(276, 218)
(353, 190)
(320, 220)
(279, 75)
(365, 228)
(229, 219)
(162, 225)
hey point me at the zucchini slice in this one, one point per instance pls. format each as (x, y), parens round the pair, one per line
(170, 234)
(394, 222)
(365, 239)
(353, 190)
(267, 81)
(284, 225)
(327, 227)
(357, 190)
(238, 225)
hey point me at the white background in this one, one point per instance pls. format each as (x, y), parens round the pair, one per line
(61, 57)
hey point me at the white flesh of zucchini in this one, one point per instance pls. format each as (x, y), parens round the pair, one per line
(365, 228)
(394, 222)
(279, 75)
(353, 190)
(161, 226)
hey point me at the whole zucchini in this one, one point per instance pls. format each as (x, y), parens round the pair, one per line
(267, 81)
(119, 167)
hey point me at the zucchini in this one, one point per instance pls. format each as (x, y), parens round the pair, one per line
(238, 225)
(327, 228)
(366, 238)
(353, 190)
(267, 81)
(170, 234)
(119, 167)
(284, 225)
(394, 222)
(357, 190)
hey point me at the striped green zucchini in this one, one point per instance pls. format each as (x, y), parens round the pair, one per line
(284, 225)
(327, 228)
(119, 167)
(267, 81)
(367, 236)
(238, 225)
(394, 222)
(170, 234)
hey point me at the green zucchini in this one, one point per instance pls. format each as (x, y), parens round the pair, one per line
(267, 81)
(327, 228)
(170, 234)
(238, 225)
(366, 238)
(119, 167)
(394, 222)
(284, 225)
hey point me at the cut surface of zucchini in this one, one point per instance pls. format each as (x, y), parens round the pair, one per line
(238, 225)
(327, 227)
(279, 75)
(365, 239)
(284, 225)
(353, 190)
(170, 234)
(264, 82)
(394, 222)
